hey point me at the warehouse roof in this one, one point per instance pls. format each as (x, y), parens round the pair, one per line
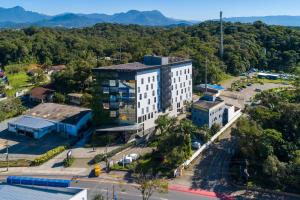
(59, 112)
(32, 122)
(22, 192)
(40, 92)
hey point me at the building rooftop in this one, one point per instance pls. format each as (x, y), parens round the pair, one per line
(32, 122)
(58, 112)
(22, 192)
(79, 95)
(40, 92)
(203, 104)
(137, 66)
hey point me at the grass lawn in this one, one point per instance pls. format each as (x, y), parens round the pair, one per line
(15, 163)
(226, 78)
(18, 82)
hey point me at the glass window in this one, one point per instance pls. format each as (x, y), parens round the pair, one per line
(142, 81)
(149, 101)
(153, 106)
(112, 83)
(143, 111)
(179, 78)
(141, 96)
(152, 86)
(145, 95)
(176, 73)
(139, 89)
(153, 92)
(154, 99)
(147, 109)
(139, 104)
(147, 87)
(153, 78)
(148, 79)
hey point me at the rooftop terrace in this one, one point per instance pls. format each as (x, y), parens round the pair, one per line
(203, 104)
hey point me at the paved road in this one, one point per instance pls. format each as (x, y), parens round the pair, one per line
(129, 191)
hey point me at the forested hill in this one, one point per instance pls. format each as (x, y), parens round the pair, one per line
(246, 46)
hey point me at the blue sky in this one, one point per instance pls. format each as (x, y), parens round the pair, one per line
(180, 9)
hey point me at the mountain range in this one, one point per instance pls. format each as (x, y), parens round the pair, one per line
(18, 17)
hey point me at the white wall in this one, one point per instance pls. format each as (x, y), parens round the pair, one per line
(182, 85)
(82, 195)
(143, 107)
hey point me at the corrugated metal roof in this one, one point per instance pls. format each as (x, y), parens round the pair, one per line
(32, 122)
(21, 192)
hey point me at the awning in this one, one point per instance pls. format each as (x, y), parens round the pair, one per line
(135, 127)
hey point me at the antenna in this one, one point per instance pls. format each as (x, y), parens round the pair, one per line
(206, 61)
(221, 35)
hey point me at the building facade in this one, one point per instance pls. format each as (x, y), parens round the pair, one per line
(137, 93)
(208, 112)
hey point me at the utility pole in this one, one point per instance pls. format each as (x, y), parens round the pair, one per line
(221, 36)
(7, 162)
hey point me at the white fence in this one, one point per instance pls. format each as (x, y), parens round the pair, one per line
(213, 138)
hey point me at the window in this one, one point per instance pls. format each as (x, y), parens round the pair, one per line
(152, 115)
(188, 71)
(180, 72)
(141, 96)
(176, 73)
(174, 80)
(145, 95)
(113, 114)
(181, 91)
(152, 86)
(147, 109)
(112, 83)
(147, 87)
(153, 93)
(153, 78)
(176, 92)
(140, 120)
(180, 85)
(142, 81)
(143, 111)
(139, 104)
(172, 74)
(139, 89)
(154, 99)
(179, 78)
(149, 101)
(153, 107)
(186, 77)
(184, 71)
(148, 79)
(172, 88)
(149, 116)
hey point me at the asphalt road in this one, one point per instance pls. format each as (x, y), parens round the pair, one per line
(129, 192)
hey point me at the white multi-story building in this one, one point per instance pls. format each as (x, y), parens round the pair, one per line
(136, 94)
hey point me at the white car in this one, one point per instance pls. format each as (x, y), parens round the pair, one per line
(134, 156)
(126, 160)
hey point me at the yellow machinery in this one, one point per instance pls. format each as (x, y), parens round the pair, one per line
(97, 170)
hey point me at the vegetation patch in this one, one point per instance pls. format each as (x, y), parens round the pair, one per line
(67, 162)
(15, 163)
(48, 155)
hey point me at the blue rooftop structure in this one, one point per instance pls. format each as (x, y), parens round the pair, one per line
(33, 122)
(216, 87)
(22, 192)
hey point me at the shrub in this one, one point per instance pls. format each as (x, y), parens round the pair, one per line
(68, 161)
(48, 155)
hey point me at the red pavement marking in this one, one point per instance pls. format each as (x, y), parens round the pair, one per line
(210, 194)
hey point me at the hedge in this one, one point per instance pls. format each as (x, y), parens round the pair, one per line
(101, 157)
(48, 155)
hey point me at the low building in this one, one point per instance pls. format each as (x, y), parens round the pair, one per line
(54, 69)
(230, 112)
(75, 98)
(268, 76)
(208, 112)
(41, 94)
(50, 117)
(24, 192)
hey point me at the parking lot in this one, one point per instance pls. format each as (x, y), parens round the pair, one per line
(23, 147)
(241, 98)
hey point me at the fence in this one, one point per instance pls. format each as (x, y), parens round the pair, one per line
(213, 138)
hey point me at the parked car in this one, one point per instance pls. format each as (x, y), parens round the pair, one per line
(126, 160)
(258, 90)
(196, 145)
(134, 156)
